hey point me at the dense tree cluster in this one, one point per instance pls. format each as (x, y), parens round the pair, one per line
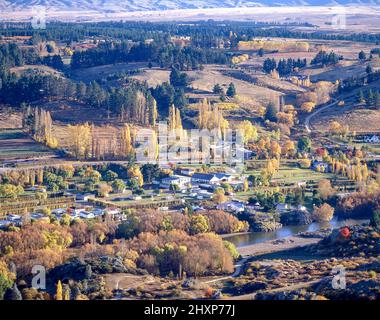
(283, 67)
(369, 97)
(154, 221)
(166, 56)
(323, 58)
(166, 95)
(177, 252)
(358, 205)
(347, 85)
(134, 103)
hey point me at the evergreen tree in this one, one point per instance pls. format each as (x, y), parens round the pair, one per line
(362, 55)
(231, 91)
(369, 69)
(271, 113)
(217, 89)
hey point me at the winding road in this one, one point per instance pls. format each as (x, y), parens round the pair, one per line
(307, 119)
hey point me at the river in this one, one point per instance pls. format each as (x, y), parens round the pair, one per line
(241, 240)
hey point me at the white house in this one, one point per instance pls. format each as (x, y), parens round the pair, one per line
(13, 217)
(39, 216)
(231, 206)
(85, 197)
(211, 178)
(87, 215)
(181, 181)
(372, 139)
(112, 211)
(282, 207)
(186, 171)
(4, 223)
(59, 211)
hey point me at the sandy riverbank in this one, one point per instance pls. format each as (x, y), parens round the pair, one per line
(276, 245)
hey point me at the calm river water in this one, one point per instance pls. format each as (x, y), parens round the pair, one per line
(257, 237)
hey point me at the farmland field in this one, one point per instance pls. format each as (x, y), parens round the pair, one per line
(15, 144)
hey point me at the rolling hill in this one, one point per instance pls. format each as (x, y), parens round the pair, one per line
(153, 5)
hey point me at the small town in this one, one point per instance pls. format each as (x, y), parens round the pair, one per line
(192, 152)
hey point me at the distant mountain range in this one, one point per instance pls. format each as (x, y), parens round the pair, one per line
(153, 5)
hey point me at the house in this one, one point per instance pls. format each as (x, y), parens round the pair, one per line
(13, 217)
(76, 211)
(223, 177)
(39, 216)
(211, 178)
(4, 224)
(186, 171)
(301, 184)
(198, 208)
(231, 206)
(134, 197)
(85, 197)
(301, 208)
(252, 208)
(282, 207)
(59, 211)
(372, 139)
(87, 215)
(181, 181)
(112, 211)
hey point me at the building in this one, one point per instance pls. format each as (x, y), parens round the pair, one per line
(87, 215)
(211, 178)
(39, 216)
(59, 211)
(111, 211)
(372, 139)
(282, 207)
(181, 181)
(85, 197)
(4, 224)
(232, 206)
(186, 171)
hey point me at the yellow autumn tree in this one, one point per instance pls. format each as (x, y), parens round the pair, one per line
(308, 106)
(335, 127)
(59, 291)
(219, 196)
(288, 147)
(79, 136)
(135, 173)
(211, 118)
(126, 140)
(249, 131)
(323, 213)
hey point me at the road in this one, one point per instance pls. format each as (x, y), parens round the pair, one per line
(307, 120)
(236, 273)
